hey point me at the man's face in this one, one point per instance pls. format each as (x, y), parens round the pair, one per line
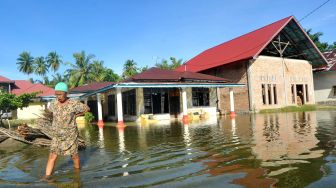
(61, 96)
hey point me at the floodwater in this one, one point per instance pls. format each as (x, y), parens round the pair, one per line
(262, 150)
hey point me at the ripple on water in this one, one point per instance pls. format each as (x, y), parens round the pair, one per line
(257, 150)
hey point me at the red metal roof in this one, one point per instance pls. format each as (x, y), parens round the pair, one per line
(91, 87)
(5, 80)
(156, 75)
(244, 47)
(331, 58)
(23, 86)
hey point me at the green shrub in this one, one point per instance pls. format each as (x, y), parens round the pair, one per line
(89, 117)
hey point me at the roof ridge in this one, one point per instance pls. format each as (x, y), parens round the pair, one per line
(240, 36)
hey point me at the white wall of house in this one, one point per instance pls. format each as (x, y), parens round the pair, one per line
(33, 111)
(323, 83)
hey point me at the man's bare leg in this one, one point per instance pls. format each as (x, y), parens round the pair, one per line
(51, 163)
(76, 161)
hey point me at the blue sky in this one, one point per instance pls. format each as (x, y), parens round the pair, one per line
(143, 30)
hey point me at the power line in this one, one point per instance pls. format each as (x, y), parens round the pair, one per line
(314, 10)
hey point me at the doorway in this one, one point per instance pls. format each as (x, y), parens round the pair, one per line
(299, 95)
(93, 108)
(174, 101)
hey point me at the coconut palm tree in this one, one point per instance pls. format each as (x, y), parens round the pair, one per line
(80, 70)
(163, 65)
(175, 63)
(110, 76)
(25, 63)
(130, 69)
(58, 78)
(97, 71)
(40, 66)
(54, 61)
(46, 81)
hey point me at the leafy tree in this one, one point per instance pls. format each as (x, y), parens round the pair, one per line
(58, 78)
(46, 81)
(130, 69)
(165, 65)
(110, 76)
(25, 63)
(97, 71)
(54, 61)
(322, 46)
(10, 102)
(143, 69)
(175, 63)
(31, 80)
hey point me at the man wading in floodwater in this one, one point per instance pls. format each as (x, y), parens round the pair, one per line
(65, 140)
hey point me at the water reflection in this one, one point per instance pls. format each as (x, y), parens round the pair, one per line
(122, 149)
(101, 137)
(289, 149)
(187, 138)
(285, 139)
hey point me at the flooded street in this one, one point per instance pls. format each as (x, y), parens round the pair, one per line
(261, 150)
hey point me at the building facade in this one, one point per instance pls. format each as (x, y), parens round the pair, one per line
(325, 80)
(275, 62)
(157, 95)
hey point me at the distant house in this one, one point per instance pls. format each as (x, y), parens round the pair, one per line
(275, 63)
(19, 87)
(325, 80)
(6, 84)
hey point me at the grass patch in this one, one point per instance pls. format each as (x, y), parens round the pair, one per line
(302, 108)
(324, 107)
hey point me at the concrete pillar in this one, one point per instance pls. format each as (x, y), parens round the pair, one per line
(295, 94)
(304, 94)
(272, 94)
(232, 111)
(86, 101)
(100, 111)
(9, 88)
(120, 108)
(184, 106)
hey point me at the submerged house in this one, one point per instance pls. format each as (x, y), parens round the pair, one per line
(325, 80)
(19, 87)
(156, 95)
(275, 62)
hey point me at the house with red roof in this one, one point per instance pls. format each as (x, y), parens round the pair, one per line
(155, 95)
(275, 62)
(325, 80)
(19, 87)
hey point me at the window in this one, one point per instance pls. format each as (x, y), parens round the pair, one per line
(269, 93)
(334, 90)
(307, 93)
(275, 94)
(200, 96)
(156, 100)
(128, 101)
(263, 93)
